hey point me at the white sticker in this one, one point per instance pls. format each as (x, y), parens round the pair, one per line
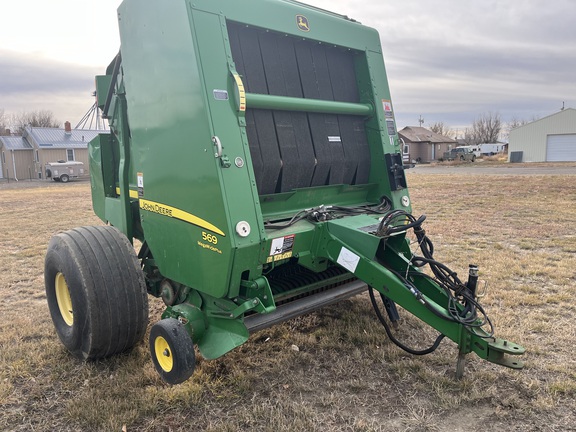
(140, 183)
(334, 139)
(348, 259)
(277, 246)
(281, 248)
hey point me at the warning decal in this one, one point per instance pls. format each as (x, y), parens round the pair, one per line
(387, 105)
(281, 248)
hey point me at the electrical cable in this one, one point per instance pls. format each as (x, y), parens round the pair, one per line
(462, 306)
(323, 213)
(382, 320)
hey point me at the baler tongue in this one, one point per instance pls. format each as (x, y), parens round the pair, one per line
(379, 255)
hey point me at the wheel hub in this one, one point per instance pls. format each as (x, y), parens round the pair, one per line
(163, 354)
(63, 299)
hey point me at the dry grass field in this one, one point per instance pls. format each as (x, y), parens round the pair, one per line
(346, 375)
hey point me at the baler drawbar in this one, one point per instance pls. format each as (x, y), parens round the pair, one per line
(254, 156)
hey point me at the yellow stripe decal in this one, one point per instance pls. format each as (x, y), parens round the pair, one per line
(133, 193)
(241, 93)
(173, 212)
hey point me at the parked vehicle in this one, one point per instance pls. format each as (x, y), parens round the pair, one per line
(475, 149)
(64, 171)
(490, 149)
(459, 153)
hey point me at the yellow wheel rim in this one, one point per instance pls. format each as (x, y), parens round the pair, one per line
(64, 300)
(163, 354)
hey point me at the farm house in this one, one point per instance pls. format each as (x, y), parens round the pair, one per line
(24, 157)
(423, 145)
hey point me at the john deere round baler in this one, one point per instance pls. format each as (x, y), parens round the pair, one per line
(254, 155)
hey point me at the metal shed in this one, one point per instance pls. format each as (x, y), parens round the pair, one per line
(550, 139)
(16, 158)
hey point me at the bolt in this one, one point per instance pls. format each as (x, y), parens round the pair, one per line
(166, 352)
(255, 301)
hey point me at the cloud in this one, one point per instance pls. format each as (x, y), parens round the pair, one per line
(29, 73)
(451, 60)
(30, 82)
(447, 60)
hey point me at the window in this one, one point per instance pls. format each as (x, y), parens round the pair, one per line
(37, 156)
(3, 157)
(406, 149)
(70, 154)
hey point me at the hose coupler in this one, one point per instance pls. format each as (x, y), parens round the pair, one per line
(472, 283)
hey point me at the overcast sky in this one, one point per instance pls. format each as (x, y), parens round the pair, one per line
(447, 60)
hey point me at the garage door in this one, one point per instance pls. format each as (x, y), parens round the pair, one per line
(561, 148)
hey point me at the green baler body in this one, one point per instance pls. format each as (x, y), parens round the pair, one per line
(228, 117)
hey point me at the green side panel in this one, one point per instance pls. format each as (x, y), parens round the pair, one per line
(172, 152)
(103, 167)
(96, 176)
(221, 336)
(102, 85)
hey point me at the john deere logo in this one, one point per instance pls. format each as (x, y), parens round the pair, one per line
(302, 22)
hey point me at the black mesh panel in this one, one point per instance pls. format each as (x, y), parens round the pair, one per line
(293, 150)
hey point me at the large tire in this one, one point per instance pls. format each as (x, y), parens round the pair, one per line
(172, 351)
(64, 178)
(96, 291)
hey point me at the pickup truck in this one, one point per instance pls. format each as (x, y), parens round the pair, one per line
(459, 153)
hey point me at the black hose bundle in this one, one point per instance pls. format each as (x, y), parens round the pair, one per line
(462, 307)
(323, 213)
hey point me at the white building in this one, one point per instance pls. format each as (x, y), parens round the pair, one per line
(550, 139)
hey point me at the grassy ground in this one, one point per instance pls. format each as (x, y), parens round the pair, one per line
(346, 376)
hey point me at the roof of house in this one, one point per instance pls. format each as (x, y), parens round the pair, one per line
(15, 143)
(59, 138)
(420, 134)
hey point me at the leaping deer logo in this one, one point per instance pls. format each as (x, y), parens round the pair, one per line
(302, 23)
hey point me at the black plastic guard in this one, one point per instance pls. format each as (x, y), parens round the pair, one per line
(396, 174)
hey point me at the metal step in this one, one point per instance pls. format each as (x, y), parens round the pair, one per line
(304, 305)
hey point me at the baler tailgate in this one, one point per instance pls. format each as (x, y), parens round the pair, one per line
(295, 149)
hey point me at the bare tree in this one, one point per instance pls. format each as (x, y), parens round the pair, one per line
(3, 122)
(485, 129)
(514, 123)
(441, 129)
(468, 138)
(41, 118)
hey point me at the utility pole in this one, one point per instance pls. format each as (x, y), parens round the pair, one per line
(421, 120)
